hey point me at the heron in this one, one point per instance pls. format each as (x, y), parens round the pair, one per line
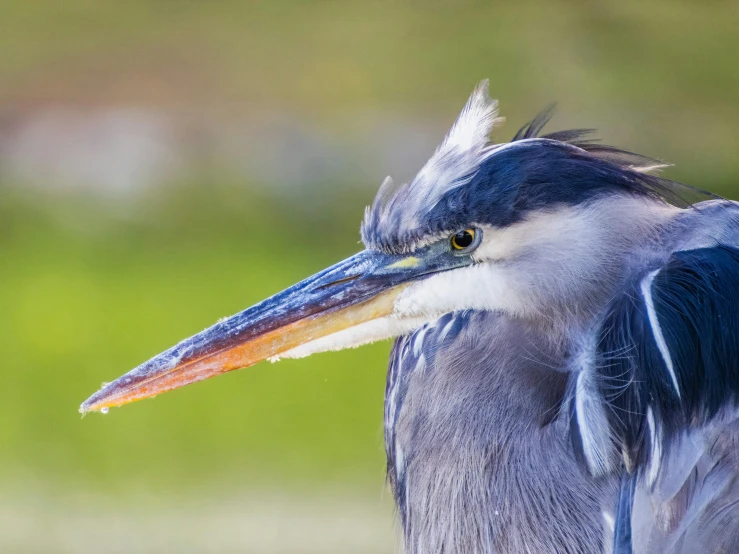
(565, 323)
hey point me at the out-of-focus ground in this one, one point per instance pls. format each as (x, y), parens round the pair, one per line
(163, 164)
(237, 523)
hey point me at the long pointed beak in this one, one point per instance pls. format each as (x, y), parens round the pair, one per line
(359, 289)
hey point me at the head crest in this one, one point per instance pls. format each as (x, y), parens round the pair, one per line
(468, 180)
(452, 165)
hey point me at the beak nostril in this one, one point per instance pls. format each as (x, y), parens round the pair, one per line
(339, 282)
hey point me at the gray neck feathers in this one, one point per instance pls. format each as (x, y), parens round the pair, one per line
(489, 466)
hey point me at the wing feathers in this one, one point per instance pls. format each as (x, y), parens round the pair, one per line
(669, 347)
(667, 372)
(646, 290)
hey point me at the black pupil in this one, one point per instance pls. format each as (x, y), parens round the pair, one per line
(463, 239)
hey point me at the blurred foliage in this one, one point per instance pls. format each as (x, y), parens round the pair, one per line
(659, 77)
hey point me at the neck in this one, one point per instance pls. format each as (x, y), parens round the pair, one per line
(485, 452)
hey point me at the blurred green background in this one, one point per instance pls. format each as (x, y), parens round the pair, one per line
(164, 163)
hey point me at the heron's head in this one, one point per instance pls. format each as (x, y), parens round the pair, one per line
(515, 227)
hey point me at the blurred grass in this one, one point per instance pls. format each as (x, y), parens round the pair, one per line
(87, 295)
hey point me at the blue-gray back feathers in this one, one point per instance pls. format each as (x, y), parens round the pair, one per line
(694, 298)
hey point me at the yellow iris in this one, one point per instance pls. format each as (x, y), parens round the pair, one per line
(463, 239)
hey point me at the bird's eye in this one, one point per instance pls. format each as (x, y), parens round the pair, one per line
(463, 239)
